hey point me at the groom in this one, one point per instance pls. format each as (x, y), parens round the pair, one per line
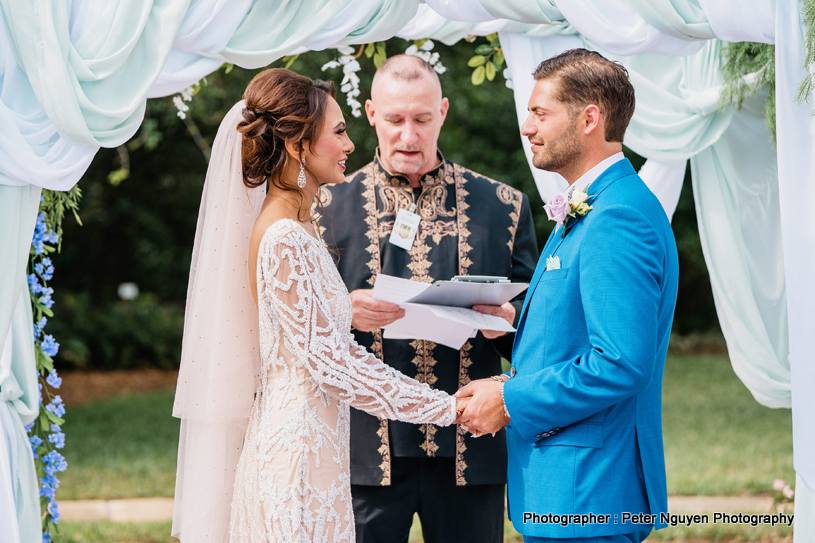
(582, 402)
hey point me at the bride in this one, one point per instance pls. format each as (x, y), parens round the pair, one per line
(269, 367)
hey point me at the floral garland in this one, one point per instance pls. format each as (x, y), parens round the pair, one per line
(45, 432)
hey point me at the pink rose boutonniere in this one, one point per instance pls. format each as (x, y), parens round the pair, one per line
(561, 208)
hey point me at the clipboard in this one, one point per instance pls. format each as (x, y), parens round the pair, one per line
(465, 294)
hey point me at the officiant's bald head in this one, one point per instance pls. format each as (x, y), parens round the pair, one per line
(407, 109)
(405, 68)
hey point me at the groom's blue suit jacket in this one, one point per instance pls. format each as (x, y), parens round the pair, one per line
(588, 359)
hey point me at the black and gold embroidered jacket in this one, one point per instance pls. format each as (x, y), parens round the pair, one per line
(470, 225)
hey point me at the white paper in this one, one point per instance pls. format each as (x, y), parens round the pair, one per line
(445, 325)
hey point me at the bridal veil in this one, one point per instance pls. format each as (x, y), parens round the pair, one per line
(220, 358)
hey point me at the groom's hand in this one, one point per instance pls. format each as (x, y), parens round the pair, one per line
(368, 314)
(506, 312)
(484, 414)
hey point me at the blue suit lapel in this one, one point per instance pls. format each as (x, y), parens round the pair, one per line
(620, 169)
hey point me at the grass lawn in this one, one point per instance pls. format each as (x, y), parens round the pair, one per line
(718, 439)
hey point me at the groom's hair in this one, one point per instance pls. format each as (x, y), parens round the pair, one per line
(585, 77)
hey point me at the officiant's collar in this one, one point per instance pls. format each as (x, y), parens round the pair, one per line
(436, 176)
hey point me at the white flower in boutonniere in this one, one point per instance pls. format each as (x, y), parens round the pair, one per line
(561, 210)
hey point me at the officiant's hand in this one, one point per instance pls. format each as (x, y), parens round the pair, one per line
(506, 312)
(484, 414)
(368, 314)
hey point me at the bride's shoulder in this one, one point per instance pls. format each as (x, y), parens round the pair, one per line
(285, 231)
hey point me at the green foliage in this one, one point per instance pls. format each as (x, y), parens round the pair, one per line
(749, 69)
(380, 54)
(55, 203)
(119, 335)
(808, 84)
(488, 59)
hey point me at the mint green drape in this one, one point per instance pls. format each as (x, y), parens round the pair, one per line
(735, 184)
(19, 393)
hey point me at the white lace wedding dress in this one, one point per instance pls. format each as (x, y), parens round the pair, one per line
(293, 478)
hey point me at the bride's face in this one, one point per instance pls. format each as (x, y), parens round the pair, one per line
(325, 159)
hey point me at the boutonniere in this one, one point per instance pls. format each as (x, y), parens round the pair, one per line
(562, 209)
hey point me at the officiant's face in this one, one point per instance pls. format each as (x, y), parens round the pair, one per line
(408, 116)
(552, 129)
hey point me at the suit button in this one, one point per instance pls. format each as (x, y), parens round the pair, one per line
(512, 371)
(539, 436)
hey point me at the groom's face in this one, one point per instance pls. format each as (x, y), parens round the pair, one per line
(552, 129)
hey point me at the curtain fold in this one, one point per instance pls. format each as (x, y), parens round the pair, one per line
(795, 128)
(19, 393)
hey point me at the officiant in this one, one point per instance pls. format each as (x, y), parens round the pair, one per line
(467, 225)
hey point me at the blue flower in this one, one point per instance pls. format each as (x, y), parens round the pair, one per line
(46, 537)
(29, 426)
(46, 490)
(56, 407)
(42, 322)
(39, 268)
(57, 439)
(36, 333)
(49, 346)
(47, 262)
(35, 441)
(55, 381)
(53, 509)
(34, 284)
(54, 462)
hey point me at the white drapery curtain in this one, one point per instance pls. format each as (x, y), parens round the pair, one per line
(76, 74)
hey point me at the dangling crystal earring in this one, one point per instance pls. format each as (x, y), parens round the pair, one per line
(301, 178)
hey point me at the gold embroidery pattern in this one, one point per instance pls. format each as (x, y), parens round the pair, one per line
(393, 199)
(463, 379)
(510, 196)
(369, 193)
(432, 202)
(370, 219)
(464, 263)
(462, 206)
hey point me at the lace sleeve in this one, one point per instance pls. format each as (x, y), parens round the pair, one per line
(299, 282)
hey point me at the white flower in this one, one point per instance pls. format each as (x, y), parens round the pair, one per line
(439, 68)
(351, 66)
(578, 197)
(345, 49)
(412, 50)
(186, 94)
(788, 492)
(330, 64)
(428, 45)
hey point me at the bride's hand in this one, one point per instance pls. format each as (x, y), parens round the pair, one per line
(368, 314)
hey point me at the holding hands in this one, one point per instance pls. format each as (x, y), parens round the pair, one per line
(480, 406)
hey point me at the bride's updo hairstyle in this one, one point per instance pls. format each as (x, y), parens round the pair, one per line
(280, 106)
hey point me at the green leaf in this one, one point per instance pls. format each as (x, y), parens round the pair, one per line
(483, 49)
(291, 60)
(498, 59)
(490, 71)
(48, 312)
(491, 37)
(478, 75)
(476, 61)
(228, 67)
(370, 49)
(44, 418)
(53, 418)
(495, 43)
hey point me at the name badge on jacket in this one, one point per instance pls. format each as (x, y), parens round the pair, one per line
(405, 228)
